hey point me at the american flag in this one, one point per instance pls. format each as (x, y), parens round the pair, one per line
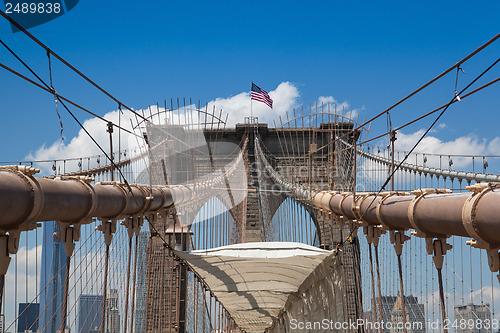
(261, 95)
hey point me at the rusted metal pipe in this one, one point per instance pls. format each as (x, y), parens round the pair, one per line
(481, 212)
(436, 215)
(20, 199)
(368, 208)
(64, 200)
(24, 198)
(432, 213)
(392, 211)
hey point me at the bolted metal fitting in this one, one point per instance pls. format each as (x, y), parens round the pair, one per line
(398, 238)
(133, 225)
(423, 191)
(108, 228)
(4, 254)
(493, 260)
(373, 233)
(438, 248)
(24, 169)
(69, 234)
(9, 244)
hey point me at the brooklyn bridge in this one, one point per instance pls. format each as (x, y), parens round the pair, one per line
(307, 224)
(252, 229)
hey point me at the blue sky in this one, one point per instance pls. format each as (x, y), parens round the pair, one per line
(369, 54)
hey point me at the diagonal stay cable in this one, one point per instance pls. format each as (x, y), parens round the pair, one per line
(66, 99)
(53, 91)
(470, 55)
(420, 140)
(433, 111)
(429, 129)
(36, 40)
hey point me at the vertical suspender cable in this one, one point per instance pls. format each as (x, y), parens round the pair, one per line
(374, 301)
(104, 293)
(441, 297)
(178, 291)
(204, 307)
(403, 305)
(379, 285)
(357, 277)
(2, 287)
(65, 299)
(132, 310)
(128, 284)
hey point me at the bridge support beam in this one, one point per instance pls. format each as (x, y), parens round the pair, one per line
(432, 213)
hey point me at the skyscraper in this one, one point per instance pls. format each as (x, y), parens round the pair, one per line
(475, 313)
(112, 312)
(140, 306)
(89, 313)
(392, 312)
(52, 279)
(28, 317)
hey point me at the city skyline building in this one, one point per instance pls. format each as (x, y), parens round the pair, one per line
(472, 312)
(51, 279)
(112, 312)
(90, 313)
(28, 317)
(392, 312)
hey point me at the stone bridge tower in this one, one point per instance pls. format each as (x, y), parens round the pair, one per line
(298, 154)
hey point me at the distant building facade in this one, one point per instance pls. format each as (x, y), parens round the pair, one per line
(112, 312)
(473, 312)
(52, 279)
(89, 313)
(392, 312)
(141, 287)
(28, 317)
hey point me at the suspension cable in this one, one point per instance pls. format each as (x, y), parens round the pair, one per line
(429, 129)
(52, 91)
(403, 305)
(433, 111)
(60, 97)
(49, 51)
(479, 49)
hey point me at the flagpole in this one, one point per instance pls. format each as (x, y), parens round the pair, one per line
(251, 107)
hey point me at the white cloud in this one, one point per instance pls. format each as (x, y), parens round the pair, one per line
(494, 146)
(468, 144)
(464, 145)
(340, 108)
(432, 301)
(434, 152)
(238, 107)
(82, 146)
(285, 96)
(326, 100)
